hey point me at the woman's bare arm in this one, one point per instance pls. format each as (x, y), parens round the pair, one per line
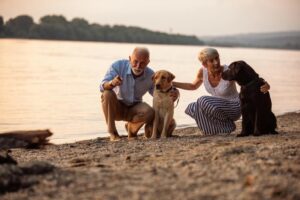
(191, 86)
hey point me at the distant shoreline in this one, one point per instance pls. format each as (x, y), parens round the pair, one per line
(57, 27)
(217, 46)
(64, 40)
(275, 40)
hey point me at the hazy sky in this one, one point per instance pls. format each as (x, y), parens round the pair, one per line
(196, 17)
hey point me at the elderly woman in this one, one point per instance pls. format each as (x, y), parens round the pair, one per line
(214, 114)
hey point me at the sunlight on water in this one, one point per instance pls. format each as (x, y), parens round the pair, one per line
(54, 84)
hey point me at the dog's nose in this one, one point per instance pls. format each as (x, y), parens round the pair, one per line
(157, 86)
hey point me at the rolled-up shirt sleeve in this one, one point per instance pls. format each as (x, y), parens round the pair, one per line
(151, 90)
(110, 74)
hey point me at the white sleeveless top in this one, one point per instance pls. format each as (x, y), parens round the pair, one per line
(225, 89)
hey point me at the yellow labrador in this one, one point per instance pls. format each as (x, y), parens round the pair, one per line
(163, 104)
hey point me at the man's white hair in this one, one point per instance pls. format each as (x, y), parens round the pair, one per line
(141, 50)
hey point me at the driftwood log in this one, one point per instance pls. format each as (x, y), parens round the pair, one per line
(24, 139)
(14, 177)
(5, 158)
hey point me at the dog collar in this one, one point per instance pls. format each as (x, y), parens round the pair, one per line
(168, 90)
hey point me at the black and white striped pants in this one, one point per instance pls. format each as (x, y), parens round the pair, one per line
(215, 115)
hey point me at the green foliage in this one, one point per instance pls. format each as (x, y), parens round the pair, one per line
(80, 29)
(53, 19)
(53, 27)
(1, 26)
(57, 27)
(19, 26)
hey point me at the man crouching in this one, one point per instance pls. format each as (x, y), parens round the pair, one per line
(123, 86)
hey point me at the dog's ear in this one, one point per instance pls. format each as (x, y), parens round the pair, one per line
(154, 76)
(250, 71)
(236, 67)
(170, 77)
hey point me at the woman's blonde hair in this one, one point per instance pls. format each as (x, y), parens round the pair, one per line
(207, 53)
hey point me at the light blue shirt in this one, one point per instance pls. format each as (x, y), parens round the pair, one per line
(132, 90)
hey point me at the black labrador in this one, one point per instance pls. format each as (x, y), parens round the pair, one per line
(257, 116)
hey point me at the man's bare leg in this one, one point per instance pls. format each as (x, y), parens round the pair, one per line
(111, 107)
(138, 115)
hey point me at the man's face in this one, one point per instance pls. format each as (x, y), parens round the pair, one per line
(139, 62)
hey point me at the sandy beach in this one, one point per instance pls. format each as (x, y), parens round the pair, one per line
(187, 166)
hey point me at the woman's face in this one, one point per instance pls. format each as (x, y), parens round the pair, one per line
(213, 63)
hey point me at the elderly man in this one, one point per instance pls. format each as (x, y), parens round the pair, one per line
(123, 87)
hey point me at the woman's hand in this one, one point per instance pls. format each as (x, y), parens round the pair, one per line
(174, 94)
(265, 88)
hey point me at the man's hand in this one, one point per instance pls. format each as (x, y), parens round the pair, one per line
(174, 94)
(265, 88)
(116, 81)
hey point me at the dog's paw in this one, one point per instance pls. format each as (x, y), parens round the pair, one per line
(258, 134)
(114, 138)
(242, 135)
(154, 136)
(274, 132)
(132, 138)
(164, 136)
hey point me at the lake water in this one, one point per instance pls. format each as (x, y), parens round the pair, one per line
(54, 84)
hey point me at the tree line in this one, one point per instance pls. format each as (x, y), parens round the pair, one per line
(57, 27)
